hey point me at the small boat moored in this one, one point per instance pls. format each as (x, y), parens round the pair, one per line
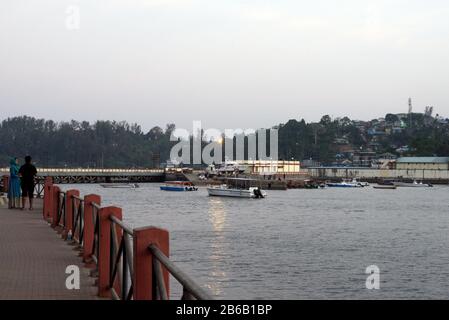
(120, 185)
(347, 184)
(179, 186)
(385, 187)
(239, 188)
(413, 184)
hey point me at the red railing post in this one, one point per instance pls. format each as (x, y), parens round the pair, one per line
(68, 227)
(89, 227)
(104, 253)
(55, 205)
(143, 261)
(5, 183)
(48, 198)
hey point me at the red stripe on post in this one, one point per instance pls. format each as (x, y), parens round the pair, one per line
(69, 216)
(104, 254)
(89, 225)
(143, 261)
(48, 194)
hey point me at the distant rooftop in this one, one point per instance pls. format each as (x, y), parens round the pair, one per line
(423, 160)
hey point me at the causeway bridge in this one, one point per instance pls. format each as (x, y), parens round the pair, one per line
(86, 175)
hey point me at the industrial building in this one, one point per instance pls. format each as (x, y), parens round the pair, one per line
(422, 163)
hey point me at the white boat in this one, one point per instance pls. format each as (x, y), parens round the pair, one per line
(120, 185)
(226, 191)
(347, 184)
(238, 188)
(414, 184)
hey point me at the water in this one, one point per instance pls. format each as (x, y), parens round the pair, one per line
(301, 244)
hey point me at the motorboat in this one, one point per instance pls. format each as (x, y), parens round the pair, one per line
(179, 186)
(346, 184)
(120, 185)
(413, 184)
(238, 188)
(227, 191)
(385, 187)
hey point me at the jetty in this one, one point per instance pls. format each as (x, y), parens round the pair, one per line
(88, 175)
(67, 229)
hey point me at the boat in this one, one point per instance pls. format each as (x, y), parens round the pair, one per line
(227, 191)
(239, 188)
(346, 184)
(385, 187)
(120, 185)
(413, 184)
(179, 186)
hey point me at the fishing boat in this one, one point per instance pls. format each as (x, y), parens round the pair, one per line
(238, 188)
(179, 186)
(413, 184)
(346, 184)
(385, 187)
(120, 185)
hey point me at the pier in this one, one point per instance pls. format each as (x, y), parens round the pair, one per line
(67, 229)
(82, 175)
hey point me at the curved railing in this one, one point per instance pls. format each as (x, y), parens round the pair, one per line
(129, 263)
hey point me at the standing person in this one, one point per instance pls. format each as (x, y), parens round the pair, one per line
(14, 185)
(27, 173)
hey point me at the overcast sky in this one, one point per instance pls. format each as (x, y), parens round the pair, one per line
(228, 63)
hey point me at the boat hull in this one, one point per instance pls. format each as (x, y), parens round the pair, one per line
(338, 185)
(233, 193)
(177, 188)
(120, 185)
(411, 185)
(385, 187)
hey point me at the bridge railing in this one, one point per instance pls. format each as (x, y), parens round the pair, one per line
(129, 263)
(38, 188)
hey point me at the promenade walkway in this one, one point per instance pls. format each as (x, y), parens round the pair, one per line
(34, 257)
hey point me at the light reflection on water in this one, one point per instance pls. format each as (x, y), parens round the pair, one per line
(217, 217)
(300, 244)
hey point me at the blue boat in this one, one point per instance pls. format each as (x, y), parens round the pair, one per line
(179, 186)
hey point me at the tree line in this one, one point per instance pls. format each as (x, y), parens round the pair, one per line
(111, 144)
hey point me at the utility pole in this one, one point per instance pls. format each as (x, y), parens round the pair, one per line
(410, 109)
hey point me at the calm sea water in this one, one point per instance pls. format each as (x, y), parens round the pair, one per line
(301, 244)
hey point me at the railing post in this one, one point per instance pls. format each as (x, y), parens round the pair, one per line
(5, 183)
(89, 227)
(69, 212)
(48, 198)
(143, 261)
(55, 205)
(104, 254)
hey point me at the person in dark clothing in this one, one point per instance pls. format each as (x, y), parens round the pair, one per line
(27, 173)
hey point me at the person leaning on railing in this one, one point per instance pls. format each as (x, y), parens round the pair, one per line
(14, 185)
(27, 173)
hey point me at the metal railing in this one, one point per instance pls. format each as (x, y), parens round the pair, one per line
(121, 262)
(78, 219)
(129, 263)
(61, 209)
(190, 290)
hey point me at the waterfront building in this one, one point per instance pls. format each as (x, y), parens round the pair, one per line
(265, 167)
(423, 163)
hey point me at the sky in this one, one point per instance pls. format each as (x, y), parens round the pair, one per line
(227, 63)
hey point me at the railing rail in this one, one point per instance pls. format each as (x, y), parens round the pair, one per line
(190, 288)
(129, 263)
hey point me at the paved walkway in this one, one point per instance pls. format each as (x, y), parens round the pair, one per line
(33, 259)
